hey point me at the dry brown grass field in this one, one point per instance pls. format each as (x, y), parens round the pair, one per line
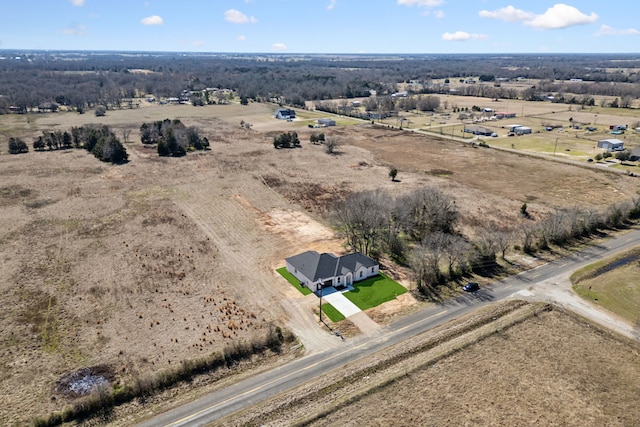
(553, 369)
(140, 266)
(510, 364)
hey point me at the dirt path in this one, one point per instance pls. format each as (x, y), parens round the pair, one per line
(366, 325)
(558, 291)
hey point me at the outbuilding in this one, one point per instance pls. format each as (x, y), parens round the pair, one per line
(326, 122)
(478, 130)
(521, 130)
(612, 144)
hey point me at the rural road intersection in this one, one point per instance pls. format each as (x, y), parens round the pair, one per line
(548, 282)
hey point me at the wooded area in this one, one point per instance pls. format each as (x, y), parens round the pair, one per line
(46, 81)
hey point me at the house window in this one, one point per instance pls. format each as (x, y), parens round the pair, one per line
(361, 274)
(372, 269)
(338, 280)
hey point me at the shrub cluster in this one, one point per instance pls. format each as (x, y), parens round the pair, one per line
(286, 140)
(172, 137)
(17, 146)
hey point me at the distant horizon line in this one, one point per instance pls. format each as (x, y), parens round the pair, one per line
(168, 52)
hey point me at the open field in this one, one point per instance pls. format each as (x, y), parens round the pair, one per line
(509, 364)
(140, 266)
(563, 141)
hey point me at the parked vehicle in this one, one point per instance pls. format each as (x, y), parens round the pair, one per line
(471, 287)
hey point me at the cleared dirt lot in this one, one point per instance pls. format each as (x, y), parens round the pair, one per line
(141, 266)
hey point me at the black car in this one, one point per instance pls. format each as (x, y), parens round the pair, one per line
(471, 287)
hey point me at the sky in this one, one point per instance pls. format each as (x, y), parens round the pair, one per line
(322, 26)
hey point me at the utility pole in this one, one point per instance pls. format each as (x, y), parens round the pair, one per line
(320, 295)
(555, 147)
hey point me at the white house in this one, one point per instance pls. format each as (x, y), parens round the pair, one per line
(611, 144)
(316, 270)
(284, 114)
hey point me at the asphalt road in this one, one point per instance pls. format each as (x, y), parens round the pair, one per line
(257, 388)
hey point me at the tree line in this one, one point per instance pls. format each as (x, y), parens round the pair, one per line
(50, 78)
(98, 140)
(419, 230)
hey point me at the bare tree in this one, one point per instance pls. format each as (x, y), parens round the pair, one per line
(425, 262)
(456, 252)
(125, 134)
(363, 218)
(483, 255)
(330, 145)
(503, 239)
(424, 211)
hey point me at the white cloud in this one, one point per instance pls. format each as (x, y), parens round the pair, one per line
(421, 3)
(278, 47)
(508, 14)
(198, 43)
(438, 14)
(152, 20)
(78, 30)
(332, 4)
(237, 17)
(560, 16)
(462, 36)
(77, 2)
(606, 30)
(241, 38)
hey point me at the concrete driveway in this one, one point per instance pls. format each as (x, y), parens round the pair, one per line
(342, 304)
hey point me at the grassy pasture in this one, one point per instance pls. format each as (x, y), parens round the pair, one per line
(613, 283)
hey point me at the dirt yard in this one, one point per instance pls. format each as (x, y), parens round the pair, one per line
(140, 266)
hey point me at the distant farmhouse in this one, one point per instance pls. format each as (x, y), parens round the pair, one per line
(611, 144)
(284, 114)
(316, 270)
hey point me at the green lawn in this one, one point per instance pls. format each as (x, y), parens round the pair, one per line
(374, 291)
(615, 288)
(295, 282)
(332, 313)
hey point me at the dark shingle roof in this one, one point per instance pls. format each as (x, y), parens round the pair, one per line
(317, 266)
